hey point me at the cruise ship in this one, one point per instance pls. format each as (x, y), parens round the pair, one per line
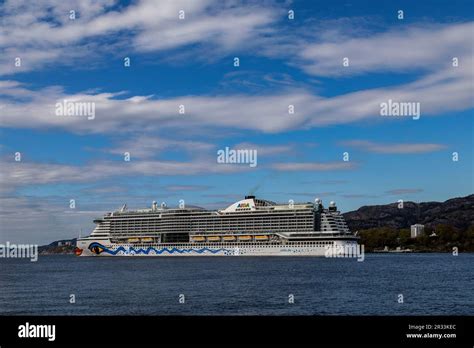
(249, 227)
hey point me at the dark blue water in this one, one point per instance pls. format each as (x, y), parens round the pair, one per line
(430, 284)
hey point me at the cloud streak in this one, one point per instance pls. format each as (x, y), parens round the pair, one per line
(43, 33)
(403, 191)
(393, 148)
(313, 166)
(21, 173)
(406, 48)
(443, 91)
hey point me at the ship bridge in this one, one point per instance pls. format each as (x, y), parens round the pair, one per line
(250, 203)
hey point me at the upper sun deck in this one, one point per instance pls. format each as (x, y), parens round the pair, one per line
(157, 210)
(250, 203)
(247, 205)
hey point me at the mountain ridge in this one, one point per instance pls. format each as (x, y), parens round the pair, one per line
(457, 212)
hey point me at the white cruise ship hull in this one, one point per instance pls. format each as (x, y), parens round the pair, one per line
(332, 248)
(249, 227)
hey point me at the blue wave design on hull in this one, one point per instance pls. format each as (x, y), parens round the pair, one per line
(157, 251)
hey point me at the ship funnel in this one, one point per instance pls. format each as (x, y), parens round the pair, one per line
(319, 204)
(249, 197)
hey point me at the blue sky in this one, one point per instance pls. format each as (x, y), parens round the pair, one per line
(190, 62)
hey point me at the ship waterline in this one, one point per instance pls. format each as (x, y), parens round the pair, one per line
(250, 227)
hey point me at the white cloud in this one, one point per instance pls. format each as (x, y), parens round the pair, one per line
(405, 48)
(393, 148)
(449, 89)
(42, 33)
(267, 150)
(42, 220)
(154, 146)
(313, 166)
(403, 191)
(18, 174)
(428, 48)
(145, 147)
(187, 188)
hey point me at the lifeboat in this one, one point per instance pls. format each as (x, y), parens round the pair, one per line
(213, 239)
(198, 238)
(261, 237)
(147, 239)
(133, 240)
(245, 237)
(229, 238)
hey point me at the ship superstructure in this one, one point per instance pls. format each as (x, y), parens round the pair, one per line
(248, 227)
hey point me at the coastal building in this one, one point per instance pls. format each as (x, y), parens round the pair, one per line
(417, 230)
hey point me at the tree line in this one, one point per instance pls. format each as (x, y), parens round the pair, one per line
(441, 238)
